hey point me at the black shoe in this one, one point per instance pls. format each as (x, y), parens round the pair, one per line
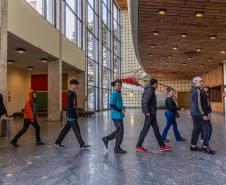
(39, 143)
(14, 143)
(59, 145)
(120, 151)
(84, 147)
(208, 150)
(105, 140)
(196, 149)
(166, 140)
(182, 139)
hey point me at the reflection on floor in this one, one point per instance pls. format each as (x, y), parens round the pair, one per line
(31, 165)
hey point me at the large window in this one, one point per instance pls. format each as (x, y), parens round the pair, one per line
(72, 21)
(46, 8)
(117, 41)
(92, 53)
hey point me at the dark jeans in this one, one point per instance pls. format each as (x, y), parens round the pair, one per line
(75, 126)
(150, 120)
(27, 123)
(199, 124)
(118, 133)
(171, 120)
(210, 130)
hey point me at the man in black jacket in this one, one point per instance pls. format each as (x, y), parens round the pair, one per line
(149, 108)
(72, 117)
(200, 118)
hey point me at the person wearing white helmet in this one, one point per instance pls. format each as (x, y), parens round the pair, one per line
(199, 117)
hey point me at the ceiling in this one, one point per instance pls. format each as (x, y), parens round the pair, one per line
(123, 4)
(156, 52)
(32, 57)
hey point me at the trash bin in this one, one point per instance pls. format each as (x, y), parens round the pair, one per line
(6, 127)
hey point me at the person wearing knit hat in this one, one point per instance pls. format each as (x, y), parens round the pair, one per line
(199, 117)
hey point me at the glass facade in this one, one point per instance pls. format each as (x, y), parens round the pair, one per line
(102, 41)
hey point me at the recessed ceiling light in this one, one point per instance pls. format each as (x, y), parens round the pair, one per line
(151, 61)
(155, 33)
(213, 37)
(10, 61)
(44, 60)
(201, 65)
(183, 35)
(175, 48)
(199, 14)
(210, 59)
(29, 68)
(152, 46)
(162, 11)
(169, 56)
(198, 49)
(151, 55)
(21, 50)
(167, 62)
(184, 64)
(223, 52)
(189, 58)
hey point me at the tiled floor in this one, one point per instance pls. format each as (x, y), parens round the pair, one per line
(48, 165)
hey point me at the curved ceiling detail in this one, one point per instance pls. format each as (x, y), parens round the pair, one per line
(179, 38)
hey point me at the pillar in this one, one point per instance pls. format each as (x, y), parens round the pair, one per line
(54, 90)
(3, 47)
(224, 75)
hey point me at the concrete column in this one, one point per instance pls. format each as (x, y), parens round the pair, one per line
(54, 90)
(3, 48)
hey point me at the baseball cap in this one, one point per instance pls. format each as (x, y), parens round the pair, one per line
(196, 79)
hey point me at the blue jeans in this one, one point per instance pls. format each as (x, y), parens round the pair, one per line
(171, 120)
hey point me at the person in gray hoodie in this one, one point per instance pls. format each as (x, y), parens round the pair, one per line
(200, 117)
(149, 109)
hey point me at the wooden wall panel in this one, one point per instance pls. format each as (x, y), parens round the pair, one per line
(183, 99)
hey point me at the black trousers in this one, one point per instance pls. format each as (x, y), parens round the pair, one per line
(210, 130)
(118, 133)
(27, 123)
(150, 120)
(66, 129)
(200, 125)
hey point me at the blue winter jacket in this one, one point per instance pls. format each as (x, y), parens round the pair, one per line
(116, 105)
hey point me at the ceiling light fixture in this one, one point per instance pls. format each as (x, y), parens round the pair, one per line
(199, 14)
(175, 48)
(162, 11)
(198, 49)
(183, 35)
(10, 61)
(201, 65)
(213, 37)
(21, 50)
(155, 33)
(223, 52)
(210, 59)
(151, 55)
(184, 64)
(189, 58)
(169, 56)
(29, 68)
(152, 46)
(44, 60)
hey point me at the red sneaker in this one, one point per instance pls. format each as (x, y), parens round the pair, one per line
(165, 148)
(141, 149)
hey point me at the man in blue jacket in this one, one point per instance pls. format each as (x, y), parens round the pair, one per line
(72, 117)
(200, 117)
(117, 114)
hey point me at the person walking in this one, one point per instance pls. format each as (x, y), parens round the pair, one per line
(199, 117)
(72, 117)
(30, 118)
(117, 115)
(149, 109)
(3, 111)
(208, 110)
(170, 115)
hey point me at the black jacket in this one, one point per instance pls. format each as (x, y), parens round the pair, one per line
(149, 101)
(170, 105)
(2, 106)
(72, 105)
(197, 103)
(206, 102)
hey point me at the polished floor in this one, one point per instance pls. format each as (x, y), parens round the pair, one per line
(48, 165)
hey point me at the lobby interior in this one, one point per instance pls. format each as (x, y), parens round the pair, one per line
(46, 43)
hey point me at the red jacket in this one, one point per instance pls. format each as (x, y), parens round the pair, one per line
(28, 113)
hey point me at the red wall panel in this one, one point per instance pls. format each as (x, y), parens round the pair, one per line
(64, 99)
(39, 82)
